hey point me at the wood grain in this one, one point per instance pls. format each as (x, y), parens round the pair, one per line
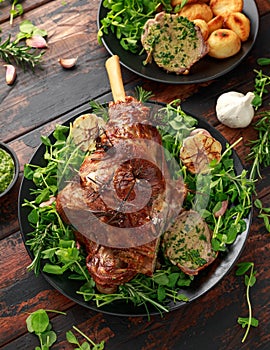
(33, 106)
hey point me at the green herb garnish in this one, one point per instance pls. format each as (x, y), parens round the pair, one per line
(24, 56)
(38, 323)
(125, 19)
(250, 280)
(260, 148)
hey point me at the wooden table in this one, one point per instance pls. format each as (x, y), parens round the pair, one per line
(32, 106)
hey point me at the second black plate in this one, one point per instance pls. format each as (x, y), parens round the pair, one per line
(206, 69)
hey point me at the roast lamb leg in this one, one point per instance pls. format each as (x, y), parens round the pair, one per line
(124, 199)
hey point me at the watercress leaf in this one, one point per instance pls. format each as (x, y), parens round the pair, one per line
(48, 253)
(29, 324)
(33, 216)
(258, 203)
(48, 338)
(45, 140)
(243, 267)
(60, 132)
(38, 31)
(161, 279)
(243, 321)
(85, 346)
(263, 61)
(26, 26)
(39, 321)
(43, 196)
(161, 293)
(53, 269)
(99, 346)
(231, 234)
(173, 277)
(71, 338)
(28, 172)
(252, 280)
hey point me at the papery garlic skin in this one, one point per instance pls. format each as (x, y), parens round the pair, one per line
(235, 109)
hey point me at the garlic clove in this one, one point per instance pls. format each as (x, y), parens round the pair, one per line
(37, 41)
(11, 74)
(68, 62)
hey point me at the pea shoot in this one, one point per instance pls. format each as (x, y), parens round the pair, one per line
(38, 323)
(250, 280)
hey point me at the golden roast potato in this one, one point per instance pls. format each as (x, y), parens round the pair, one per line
(179, 2)
(197, 11)
(203, 27)
(223, 43)
(224, 7)
(215, 23)
(239, 23)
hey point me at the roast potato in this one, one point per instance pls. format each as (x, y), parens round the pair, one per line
(197, 11)
(179, 2)
(223, 43)
(203, 27)
(215, 23)
(239, 23)
(224, 7)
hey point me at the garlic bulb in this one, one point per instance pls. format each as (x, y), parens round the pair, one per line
(235, 109)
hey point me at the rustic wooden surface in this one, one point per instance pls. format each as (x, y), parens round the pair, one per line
(32, 106)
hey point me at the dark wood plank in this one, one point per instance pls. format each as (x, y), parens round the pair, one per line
(208, 323)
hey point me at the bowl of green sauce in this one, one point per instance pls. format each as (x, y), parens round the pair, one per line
(9, 169)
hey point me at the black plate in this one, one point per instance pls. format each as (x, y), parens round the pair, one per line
(206, 280)
(206, 69)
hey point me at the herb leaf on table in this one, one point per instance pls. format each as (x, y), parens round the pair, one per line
(24, 56)
(250, 280)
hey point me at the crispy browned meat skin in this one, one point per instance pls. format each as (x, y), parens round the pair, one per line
(111, 183)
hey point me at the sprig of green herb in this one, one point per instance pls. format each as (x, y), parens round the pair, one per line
(28, 30)
(264, 213)
(142, 290)
(86, 345)
(38, 322)
(24, 56)
(125, 19)
(16, 10)
(260, 148)
(250, 280)
(261, 82)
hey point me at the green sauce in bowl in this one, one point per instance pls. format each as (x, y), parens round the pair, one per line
(7, 170)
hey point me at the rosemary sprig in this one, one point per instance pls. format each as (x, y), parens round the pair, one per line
(24, 56)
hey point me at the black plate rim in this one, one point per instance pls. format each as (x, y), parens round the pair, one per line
(220, 271)
(154, 73)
